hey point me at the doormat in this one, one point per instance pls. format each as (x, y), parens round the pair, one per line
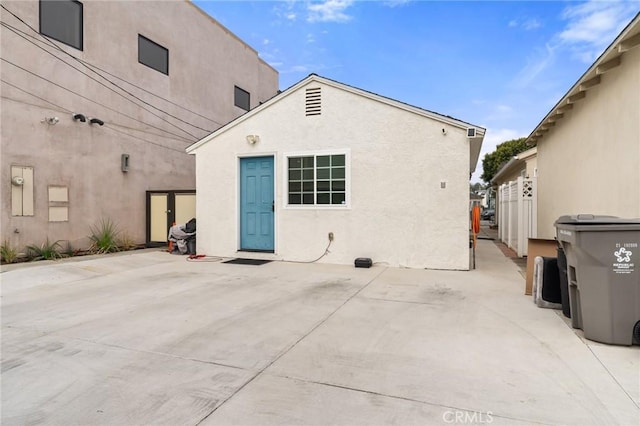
(241, 261)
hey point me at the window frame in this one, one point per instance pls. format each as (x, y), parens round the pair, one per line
(81, 44)
(140, 36)
(237, 88)
(315, 205)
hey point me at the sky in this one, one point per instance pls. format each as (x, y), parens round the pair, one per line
(501, 65)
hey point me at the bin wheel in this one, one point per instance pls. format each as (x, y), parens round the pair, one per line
(636, 332)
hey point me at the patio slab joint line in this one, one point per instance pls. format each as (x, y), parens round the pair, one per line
(611, 375)
(293, 345)
(401, 398)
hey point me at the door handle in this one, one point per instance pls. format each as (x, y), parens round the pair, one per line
(273, 206)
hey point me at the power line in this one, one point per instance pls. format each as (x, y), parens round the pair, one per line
(87, 64)
(104, 85)
(51, 43)
(35, 96)
(96, 102)
(147, 141)
(108, 127)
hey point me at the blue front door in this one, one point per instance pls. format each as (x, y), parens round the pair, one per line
(256, 204)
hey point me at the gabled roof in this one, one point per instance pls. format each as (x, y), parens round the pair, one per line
(476, 142)
(610, 58)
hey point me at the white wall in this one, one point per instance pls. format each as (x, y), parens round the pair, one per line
(590, 161)
(398, 214)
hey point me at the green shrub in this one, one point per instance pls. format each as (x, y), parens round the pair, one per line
(46, 251)
(104, 237)
(8, 254)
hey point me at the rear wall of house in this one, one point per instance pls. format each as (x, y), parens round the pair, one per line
(409, 184)
(590, 161)
(206, 61)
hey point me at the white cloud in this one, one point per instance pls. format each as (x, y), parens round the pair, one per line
(285, 10)
(311, 38)
(593, 25)
(531, 24)
(527, 24)
(590, 27)
(536, 64)
(395, 3)
(329, 11)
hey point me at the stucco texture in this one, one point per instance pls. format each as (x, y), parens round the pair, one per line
(397, 213)
(206, 61)
(590, 161)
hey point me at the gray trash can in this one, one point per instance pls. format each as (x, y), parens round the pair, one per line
(604, 275)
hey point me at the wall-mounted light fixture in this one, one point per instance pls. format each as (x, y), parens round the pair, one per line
(124, 162)
(51, 120)
(444, 131)
(96, 121)
(79, 117)
(253, 139)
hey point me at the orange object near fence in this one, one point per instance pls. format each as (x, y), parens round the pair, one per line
(475, 219)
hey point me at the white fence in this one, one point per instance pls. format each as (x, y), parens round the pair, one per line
(517, 213)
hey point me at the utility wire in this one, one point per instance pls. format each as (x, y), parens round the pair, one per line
(87, 64)
(51, 43)
(145, 140)
(96, 102)
(35, 96)
(108, 127)
(66, 110)
(104, 85)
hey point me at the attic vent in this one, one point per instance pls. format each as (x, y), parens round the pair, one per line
(313, 102)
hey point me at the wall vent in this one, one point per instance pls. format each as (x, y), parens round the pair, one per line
(313, 101)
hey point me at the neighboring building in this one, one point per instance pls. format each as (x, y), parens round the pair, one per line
(523, 165)
(516, 202)
(589, 143)
(99, 101)
(324, 161)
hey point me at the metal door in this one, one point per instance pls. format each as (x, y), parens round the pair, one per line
(164, 208)
(257, 204)
(159, 217)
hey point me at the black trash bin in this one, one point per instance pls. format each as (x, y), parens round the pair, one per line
(564, 283)
(603, 276)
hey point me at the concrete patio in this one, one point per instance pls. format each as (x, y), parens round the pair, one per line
(149, 338)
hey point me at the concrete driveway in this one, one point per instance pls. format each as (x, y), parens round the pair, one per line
(149, 338)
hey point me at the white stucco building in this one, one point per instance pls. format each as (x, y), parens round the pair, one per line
(589, 144)
(323, 160)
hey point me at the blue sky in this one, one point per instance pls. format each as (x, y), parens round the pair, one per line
(501, 65)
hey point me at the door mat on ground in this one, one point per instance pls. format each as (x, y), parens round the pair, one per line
(241, 261)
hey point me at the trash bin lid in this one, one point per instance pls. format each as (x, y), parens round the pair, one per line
(590, 219)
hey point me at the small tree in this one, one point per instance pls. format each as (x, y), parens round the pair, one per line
(492, 162)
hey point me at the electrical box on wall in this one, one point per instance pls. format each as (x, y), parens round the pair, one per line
(124, 162)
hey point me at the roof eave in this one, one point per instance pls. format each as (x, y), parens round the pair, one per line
(628, 39)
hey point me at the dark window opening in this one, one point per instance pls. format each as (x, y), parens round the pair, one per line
(317, 180)
(153, 55)
(242, 99)
(62, 20)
